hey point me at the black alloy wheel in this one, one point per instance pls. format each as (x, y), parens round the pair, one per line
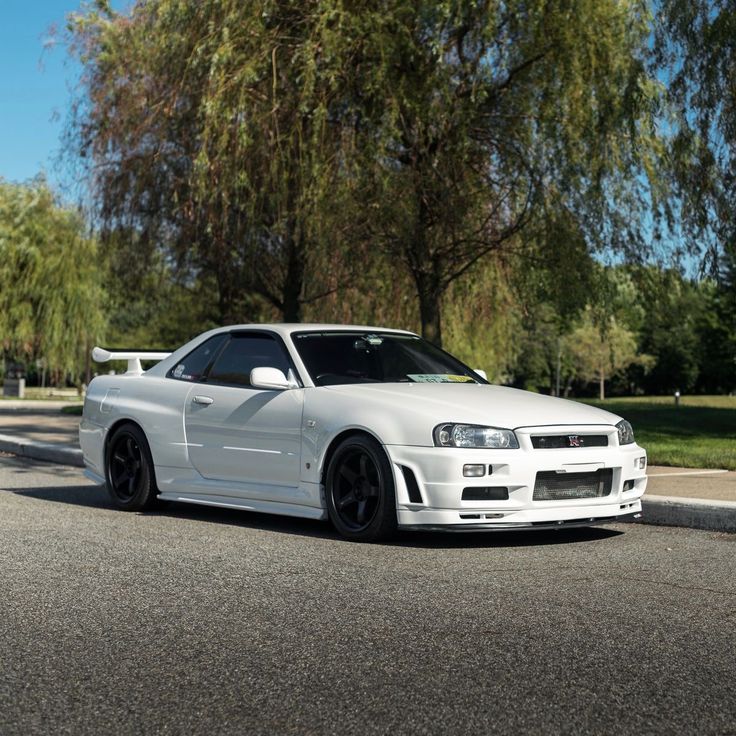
(129, 470)
(361, 498)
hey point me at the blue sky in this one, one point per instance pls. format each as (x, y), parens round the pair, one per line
(35, 87)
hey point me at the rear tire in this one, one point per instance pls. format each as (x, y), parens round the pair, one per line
(129, 471)
(360, 491)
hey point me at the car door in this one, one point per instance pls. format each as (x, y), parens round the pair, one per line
(247, 439)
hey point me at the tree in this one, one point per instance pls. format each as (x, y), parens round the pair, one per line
(475, 119)
(204, 127)
(272, 146)
(670, 332)
(695, 52)
(602, 350)
(51, 295)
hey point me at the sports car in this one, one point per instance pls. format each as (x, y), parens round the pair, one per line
(374, 429)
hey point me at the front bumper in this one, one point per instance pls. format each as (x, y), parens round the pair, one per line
(439, 477)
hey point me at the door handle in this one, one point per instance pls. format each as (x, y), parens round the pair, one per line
(204, 400)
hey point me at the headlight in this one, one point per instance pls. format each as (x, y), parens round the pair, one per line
(625, 433)
(471, 435)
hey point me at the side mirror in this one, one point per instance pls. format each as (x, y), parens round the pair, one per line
(481, 373)
(269, 378)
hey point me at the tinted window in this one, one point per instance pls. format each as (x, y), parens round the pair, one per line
(333, 358)
(244, 353)
(192, 368)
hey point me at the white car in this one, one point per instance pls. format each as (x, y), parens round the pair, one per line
(375, 429)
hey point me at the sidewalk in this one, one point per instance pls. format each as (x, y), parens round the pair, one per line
(702, 499)
(38, 429)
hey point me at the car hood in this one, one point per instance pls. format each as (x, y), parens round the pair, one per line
(496, 406)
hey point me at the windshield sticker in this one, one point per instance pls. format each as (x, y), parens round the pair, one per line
(438, 378)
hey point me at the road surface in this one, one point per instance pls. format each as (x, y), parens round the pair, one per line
(195, 620)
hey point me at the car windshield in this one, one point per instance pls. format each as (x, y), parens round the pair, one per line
(352, 357)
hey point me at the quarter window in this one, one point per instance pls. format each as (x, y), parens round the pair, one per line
(193, 367)
(244, 353)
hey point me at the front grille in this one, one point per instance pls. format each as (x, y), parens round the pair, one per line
(560, 441)
(552, 486)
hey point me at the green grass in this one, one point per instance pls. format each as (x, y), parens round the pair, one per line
(700, 433)
(76, 409)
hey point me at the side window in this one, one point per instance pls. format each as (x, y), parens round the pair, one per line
(192, 367)
(244, 353)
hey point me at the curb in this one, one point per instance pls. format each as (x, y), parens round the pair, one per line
(51, 453)
(695, 513)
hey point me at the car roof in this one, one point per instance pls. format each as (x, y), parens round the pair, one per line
(287, 328)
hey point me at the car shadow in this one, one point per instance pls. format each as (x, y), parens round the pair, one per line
(96, 497)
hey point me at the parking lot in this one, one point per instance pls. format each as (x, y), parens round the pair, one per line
(194, 620)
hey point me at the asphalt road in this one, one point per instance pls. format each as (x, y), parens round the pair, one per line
(194, 620)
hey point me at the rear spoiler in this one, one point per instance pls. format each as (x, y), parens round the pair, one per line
(134, 358)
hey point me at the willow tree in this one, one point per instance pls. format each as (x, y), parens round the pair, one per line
(476, 120)
(51, 295)
(247, 140)
(203, 125)
(695, 55)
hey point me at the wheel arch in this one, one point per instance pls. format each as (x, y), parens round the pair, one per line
(114, 428)
(335, 442)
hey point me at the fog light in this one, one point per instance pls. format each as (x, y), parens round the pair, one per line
(642, 463)
(474, 471)
(628, 485)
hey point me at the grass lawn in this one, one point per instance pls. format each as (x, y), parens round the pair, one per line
(700, 433)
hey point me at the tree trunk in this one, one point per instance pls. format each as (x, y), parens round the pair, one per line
(602, 385)
(294, 281)
(429, 312)
(226, 297)
(428, 283)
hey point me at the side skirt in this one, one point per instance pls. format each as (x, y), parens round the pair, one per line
(264, 507)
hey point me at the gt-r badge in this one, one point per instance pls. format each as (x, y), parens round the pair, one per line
(574, 441)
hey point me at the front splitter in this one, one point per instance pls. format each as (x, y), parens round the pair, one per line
(509, 526)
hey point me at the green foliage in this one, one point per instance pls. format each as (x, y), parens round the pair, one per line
(482, 123)
(206, 126)
(483, 320)
(278, 147)
(51, 295)
(672, 330)
(393, 162)
(695, 53)
(716, 328)
(600, 349)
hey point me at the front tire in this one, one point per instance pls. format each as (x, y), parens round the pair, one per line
(129, 471)
(360, 491)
